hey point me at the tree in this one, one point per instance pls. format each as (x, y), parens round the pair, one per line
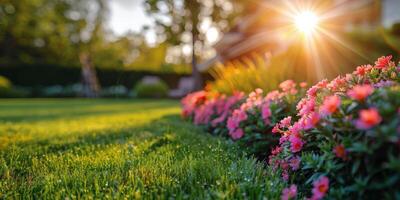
(178, 19)
(61, 32)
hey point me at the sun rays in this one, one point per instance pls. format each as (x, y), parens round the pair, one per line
(319, 27)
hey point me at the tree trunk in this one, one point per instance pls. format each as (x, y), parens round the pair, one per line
(198, 82)
(91, 86)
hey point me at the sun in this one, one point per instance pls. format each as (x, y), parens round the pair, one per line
(306, 22)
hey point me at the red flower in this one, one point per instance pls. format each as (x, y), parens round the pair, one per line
(360, 92)
(368, 119)
(383, 62)
(362, 70)
(340, 151)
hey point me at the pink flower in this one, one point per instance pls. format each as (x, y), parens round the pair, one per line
(307, 107)
(265, 112)
(360, 92)
(321, 187)
(273, 95)
(312, 91)
(330, 105)
(295, 163)
(368, 118)
(289, 193)
(285, 122)
(285, 175)
(362, 70)
(311, 121)
(337, 83)
(233, 123)
(287, 85)
(275, 129)
(296, 144)
(383, 62)
(340, 151)
(237, 134)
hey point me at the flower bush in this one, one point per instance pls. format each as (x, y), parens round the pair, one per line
(346, 141)
(252, 123)
(248, 120)
(341, 140)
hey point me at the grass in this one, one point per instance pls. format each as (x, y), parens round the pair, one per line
(116, 149)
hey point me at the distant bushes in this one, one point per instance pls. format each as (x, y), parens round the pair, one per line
(50, 75)
(8, 91)
(151, 89)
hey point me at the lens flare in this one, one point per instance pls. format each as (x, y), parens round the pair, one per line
(306, 22)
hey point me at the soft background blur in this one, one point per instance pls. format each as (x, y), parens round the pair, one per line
(167, 48)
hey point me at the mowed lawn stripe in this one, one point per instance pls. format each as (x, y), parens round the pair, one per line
(54, 149)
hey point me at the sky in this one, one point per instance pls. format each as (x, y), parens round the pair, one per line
(129, 15)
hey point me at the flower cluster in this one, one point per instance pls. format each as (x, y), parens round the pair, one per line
(341, 140)
(346, 138)
(248, 120)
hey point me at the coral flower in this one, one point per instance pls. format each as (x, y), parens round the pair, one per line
(340, 151)
(383, 62)
(303, 84)
(360, 92)
(368, 119)
(289, 193)
(330, 105)
(321, 186)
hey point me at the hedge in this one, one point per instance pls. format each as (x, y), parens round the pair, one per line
(49, 75)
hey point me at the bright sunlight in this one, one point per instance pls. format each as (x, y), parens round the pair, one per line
(306, 22)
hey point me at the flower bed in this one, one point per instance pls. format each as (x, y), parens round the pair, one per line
(341, 140)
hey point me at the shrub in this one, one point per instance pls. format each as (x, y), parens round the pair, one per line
(345, 142)
(8, 91)
(74, 90)
(155, 89)
(114, 91)
(342, 140)
(252, 123)
(5, 83)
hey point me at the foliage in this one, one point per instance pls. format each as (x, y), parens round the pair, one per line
(156, 89)
(244, 75)
(120, 149)
(48, 75)
(8, 91)
(114, 91)
(5, 83)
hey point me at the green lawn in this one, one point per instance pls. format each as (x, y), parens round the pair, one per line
(53, 149)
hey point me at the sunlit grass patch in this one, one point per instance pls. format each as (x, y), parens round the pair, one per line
(114, 149)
